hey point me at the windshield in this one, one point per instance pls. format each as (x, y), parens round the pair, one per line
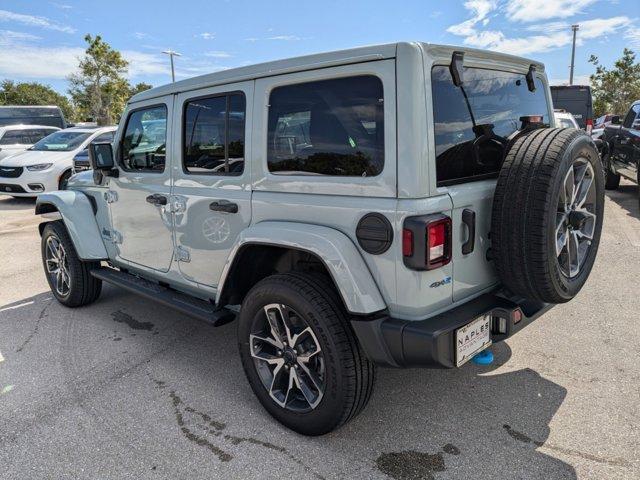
(61, 141)
(471, 133)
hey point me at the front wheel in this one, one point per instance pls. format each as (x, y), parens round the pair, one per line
(300, 355)
(69, 277)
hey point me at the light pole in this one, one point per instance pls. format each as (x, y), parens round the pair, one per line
(172, 54)
(574, 28)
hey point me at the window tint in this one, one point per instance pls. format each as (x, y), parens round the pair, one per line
(470, 135)
(214, 135)
(631, 116)
(104, 137)
(61, 141)
(145, 140)
(329, 127)
(12, 137)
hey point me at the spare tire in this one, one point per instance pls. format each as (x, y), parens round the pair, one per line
(547, 214)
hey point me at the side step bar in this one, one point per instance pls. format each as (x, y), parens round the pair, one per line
(184, 303)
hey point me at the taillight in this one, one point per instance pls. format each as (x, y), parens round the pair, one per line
(426, 241)
(407, 242)
(438, 243)
(589, 124)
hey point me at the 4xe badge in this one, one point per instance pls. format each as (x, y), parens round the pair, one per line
(444, 281)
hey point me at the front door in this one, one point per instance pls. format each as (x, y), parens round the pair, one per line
(140, 196)
(212, 180)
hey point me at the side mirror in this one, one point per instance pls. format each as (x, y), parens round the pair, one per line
(615, 120)
(101, 158)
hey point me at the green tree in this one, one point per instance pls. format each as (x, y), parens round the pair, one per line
(34, 93)
(139, 87)
(615, 89)
(99, 89)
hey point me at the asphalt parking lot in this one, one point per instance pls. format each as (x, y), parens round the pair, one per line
(125, 388)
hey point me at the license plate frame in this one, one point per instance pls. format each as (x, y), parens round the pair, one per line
(472, 338)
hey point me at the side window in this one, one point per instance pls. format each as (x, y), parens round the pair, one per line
(104, 137)
(328, 127)
(213, 135)
(39, 134)
(631, 116)
(13, 137)
(145, 140)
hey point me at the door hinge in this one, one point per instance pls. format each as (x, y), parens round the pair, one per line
(110, 196)
(116, 237)
(181, 254)
(177, 204)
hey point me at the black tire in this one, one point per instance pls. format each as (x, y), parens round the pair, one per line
(525, 211)
(83, 288)
(64, 179)
(349, 375)
(611, 179)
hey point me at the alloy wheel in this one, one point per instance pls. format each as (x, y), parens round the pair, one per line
(576, 218)
(288, 358)
(57, 265)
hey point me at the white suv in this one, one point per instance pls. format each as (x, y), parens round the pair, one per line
(47, 165)
(17, 138)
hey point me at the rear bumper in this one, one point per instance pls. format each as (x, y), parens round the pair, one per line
(430, 343)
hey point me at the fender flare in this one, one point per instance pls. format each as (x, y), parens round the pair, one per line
(338, 253)
(78, 215)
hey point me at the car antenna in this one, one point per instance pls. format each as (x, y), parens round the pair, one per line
(530, 77)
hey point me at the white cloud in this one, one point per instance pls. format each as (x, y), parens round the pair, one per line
(9, 37)
(207, 35)
(535, 10)
(577, 80)
(33, 21)
(140, 35)
(548, 36)
(143, 64)
(61, 6)
(218, 54)
(23, 61)
(633, 35)
(286, 38)
(479, 9)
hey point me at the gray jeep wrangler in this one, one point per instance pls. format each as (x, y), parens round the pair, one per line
(402, 205)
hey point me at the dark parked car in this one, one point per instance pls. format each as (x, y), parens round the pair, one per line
(621, 153)
(49, 115)
(575, 99)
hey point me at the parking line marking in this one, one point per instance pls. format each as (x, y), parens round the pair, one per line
(1, 358)
(16, 306)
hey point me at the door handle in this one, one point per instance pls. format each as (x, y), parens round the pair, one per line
(223, 206)
(469, 219)
(157, 199)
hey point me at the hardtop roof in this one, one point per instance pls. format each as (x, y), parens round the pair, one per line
(319, 60)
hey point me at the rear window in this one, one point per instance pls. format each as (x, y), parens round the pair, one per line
(488, 102)
(328, 127)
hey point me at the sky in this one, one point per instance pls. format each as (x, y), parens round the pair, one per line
(41, 40)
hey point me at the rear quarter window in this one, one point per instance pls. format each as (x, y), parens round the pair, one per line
(328, 127)
(488, 102)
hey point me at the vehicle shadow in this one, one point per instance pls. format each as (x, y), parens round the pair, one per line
(472, 417)
(12, 203)
(626, 196)
(472, 422)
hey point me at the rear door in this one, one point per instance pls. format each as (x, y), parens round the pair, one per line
(471, 124)
(626, 144)
(211, 181)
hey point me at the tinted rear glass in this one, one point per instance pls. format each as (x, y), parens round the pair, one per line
(496, 101)
(327, 127)
(31, 116)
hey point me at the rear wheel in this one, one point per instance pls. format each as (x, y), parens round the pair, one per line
(300, 356)
(547, 214)
(69, 277)
(611, 179)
